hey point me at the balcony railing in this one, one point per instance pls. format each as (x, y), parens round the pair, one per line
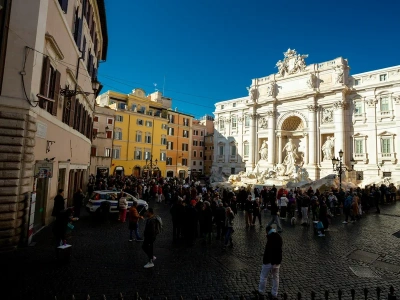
(232, 157)
(386, 114)
(221, 158)
(387, 157)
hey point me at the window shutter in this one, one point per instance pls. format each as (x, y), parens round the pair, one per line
(56, 92)
(64, 5)
(76, 26)
(44, 86)
(79, 126)
(79, 36)
(72, 112)
(90, 22)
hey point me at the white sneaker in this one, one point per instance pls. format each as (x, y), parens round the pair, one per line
(154, 258)
(344, 222)
(149, 265)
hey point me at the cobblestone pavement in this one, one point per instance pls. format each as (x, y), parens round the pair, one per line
(105, 262)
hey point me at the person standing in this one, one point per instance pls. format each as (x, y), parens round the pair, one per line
(256, 211)
(149, 238)
(248, 210)
(59, 205)
(271, 262)
(219, 219)
(123, 206)
(134, 218)
(78, 202)
(275, 216)
(283, 203)
(229, 227)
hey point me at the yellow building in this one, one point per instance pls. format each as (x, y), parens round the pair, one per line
(140, 132)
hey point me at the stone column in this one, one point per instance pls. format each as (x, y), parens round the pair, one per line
(373, 144)
(279, 135)
(305, 135)
(271, 136)
(312, 132)
(396, 149)
(252, 139)
(338, 119)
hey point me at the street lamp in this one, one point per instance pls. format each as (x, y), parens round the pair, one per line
(150, 166)
(71, 93)
(338, 167)
(189, 172)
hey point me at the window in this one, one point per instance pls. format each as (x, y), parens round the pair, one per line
(233, 171)
(385, 145)
(121, 105)
(234, 122)
(164, 126)
(221, 125)
(138, 154)
(95, 130)
(116, 153)
(93, 151)
(246, 149)
(195, 132)
(194, 163)
(163, 140)
(109, 134)
(201, 143)
(95, 119)
(110, 121)
(118, 135)
(221, 150)
(205, 148)
(185, 147)
(134, 108)
(200, 163)
(385, 103)
(359, 145)
(150, 113)
(185, 133)
(170, 146)
(357, 82)
(184, 162)
(139, 122)
(169, 161)
(142, 110)
(50, 89)
(149, 123)
(382, 77)
(171, 118)
(163, 156)
(201, 153)
(107, 152)
(201, 133)
(138, 136)
(195, 143)
(119, 118)
(358, 108)
(64, 5)
(195, 153)
(148, 138)
(234, 104)
(233, 150)
(246, 121)
(185, 122)
(222, 106)
(147, 155)
(170, 131)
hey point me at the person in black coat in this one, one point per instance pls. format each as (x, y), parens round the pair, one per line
(178, 218)
(59, 205)
(271, 262)
(78, 202)
(219, 219)
(207, 221)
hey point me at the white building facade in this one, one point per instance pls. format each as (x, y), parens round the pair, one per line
(320, 109)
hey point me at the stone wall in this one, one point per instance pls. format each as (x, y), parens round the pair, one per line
(17, 141)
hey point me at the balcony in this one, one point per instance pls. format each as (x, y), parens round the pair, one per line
(221, 158)
(385, 114)
(232, 158)
(361, 157)
(382, 157)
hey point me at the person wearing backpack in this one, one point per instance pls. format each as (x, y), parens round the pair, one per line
(152, 229)
(347, 208)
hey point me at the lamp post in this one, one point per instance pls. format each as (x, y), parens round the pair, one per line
(189, 172)
(71, 93)
(340, 168)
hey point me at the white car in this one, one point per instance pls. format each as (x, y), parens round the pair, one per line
(100, 199)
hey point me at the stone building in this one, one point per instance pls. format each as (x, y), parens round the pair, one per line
(305, 114)
(46, 106)
(197, 153)
(102, 144)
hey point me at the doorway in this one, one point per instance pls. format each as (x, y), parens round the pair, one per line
(170, 174)
(42, 186)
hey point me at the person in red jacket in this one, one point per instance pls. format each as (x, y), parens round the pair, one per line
(159, 194)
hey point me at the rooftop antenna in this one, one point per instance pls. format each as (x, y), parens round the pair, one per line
(155, 87)
(163, 86)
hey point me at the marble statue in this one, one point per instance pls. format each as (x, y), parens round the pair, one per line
(271, 89)
(311, 81)
(264, 151)
(291, 156)
(327, 148)
(339, 74)
(292, 63)
(282, 68)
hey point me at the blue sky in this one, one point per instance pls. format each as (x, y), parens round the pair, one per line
(209, 50)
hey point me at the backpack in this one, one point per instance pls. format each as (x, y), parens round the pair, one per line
(158, 225)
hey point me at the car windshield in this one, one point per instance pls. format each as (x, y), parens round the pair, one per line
(106, 196)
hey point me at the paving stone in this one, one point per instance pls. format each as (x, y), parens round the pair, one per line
(365, 272)
(386, 266)
(364, 256)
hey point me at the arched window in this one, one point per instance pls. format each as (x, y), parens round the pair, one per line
(138, 136)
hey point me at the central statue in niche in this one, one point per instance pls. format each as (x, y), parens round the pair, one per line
(263, 151)
(291, 156)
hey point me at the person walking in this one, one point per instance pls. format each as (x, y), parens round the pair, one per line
(59, 204)
(149, 238)
(275, 216)
(229, 227)
(219, 219)
(134, 218)
(123, 206)
(256, 212)
(248, 210)
(272, 260)
(78, 202)
(283, 203)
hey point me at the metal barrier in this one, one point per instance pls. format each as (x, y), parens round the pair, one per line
(365, 293)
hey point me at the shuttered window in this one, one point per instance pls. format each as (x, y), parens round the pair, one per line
(49, 87)
(64, 5)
